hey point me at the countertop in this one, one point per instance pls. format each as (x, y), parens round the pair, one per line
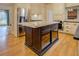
(37, 24)
(73, 21)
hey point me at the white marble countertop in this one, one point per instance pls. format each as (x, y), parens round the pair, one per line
(37, 24)
(73, 21)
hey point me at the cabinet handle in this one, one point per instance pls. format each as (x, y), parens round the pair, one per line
(67, 27)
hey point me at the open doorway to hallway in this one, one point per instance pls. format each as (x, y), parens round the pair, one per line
(4, 17)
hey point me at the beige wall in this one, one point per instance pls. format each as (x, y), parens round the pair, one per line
(58, 10)
(49, 7)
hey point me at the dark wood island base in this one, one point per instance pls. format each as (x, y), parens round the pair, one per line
(40, 39)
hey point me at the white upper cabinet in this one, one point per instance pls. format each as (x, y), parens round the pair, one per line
(71, 4)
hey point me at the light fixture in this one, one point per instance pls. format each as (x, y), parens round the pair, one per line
(35, 15)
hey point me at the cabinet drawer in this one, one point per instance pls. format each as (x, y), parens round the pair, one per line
(66, 23)
(70, 27)
(54, 27)
(45, 29)
(29, 30)
(45, 40)
(67, 27)
(68, 31)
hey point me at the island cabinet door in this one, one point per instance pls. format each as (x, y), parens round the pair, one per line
(36, 39)
(28, 36)
(54, 29)
(45, 36)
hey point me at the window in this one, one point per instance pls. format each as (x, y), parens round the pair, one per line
(3, 17)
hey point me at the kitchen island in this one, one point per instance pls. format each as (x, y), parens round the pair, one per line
(40, 35)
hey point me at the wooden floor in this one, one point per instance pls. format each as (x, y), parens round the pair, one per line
(12, 46)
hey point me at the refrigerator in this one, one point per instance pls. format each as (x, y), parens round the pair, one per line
(22, 16)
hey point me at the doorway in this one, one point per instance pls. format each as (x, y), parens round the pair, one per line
(4, 17)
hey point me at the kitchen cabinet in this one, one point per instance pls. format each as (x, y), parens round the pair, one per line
(40, 36)
(70, 27)
(41, 39)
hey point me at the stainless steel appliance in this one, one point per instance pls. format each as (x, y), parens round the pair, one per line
(22, 16)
